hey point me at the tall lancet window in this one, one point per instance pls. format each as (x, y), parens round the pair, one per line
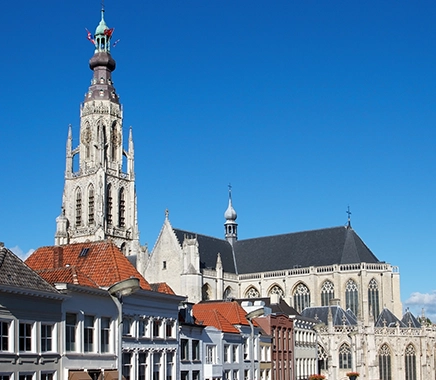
(121, 208)
(384, 363)
(327, 292)
(373, 297)
(352, 296)
(91, 205)
(78, 207)
(410, 359)
(109, 204)
(301, 297)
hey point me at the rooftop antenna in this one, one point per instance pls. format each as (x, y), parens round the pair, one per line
(349, 217)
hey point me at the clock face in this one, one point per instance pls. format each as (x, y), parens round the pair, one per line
(86, 135)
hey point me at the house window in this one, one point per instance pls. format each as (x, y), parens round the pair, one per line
(235, 353)
(170, 365)
(169, 329)
(351, 296)
(25, 337)
(184, 349)
(327, 293)
(210, 354)
(301, 297)
(164, 265)
(47, 376)
(195, 349)
(143, 323)
(127, 324)
(104, 334)
(46, 337)
(156, 328)
(25, 376)
(226, 353)
(410, 359)
(322, 358)
(373, 298)
(4, 336)
(88, 334)
(156, 365)
(384, 363)
(127, 365)
(184, 375)
(235, 374)
(344, 357)
(227, 374)
(246, 374)
(70, 332)
(195, 375)
(5, 376)
(142, 365)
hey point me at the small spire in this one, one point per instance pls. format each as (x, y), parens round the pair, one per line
(349, 217)
(167, 213)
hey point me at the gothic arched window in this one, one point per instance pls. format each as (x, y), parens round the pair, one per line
(252, 292)
(276, 290)
(322, 358)
(373, 298)
(327, 293)
(352, 296)
(227, 293)
(206, 292)
(301, 297)
(78, 207)
(91, 205)
(344, 356)
(384, 363)
(410, 364)
(121, 208)
(109, 204)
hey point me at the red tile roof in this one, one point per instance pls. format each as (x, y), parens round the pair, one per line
(101, 266)
(222, 315)
(162, 287)
(232, 311)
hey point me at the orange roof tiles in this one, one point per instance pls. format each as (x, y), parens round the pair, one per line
(102, 265)
(221, 315)
(162, 287)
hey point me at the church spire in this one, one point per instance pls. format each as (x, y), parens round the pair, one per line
(230, 226)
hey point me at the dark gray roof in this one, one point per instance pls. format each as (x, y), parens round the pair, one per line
(340, 316)
(209, 247)
(328, 246)
(388, 319)
(409, 320)
(15, 273)
(277, 308)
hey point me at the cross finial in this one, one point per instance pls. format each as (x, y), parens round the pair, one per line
(167, 213)
(349, 217)
(230, 191)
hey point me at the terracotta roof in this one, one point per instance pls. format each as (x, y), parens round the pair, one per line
(162, 287)
(231, 311)
(213, 318)
(95, 264)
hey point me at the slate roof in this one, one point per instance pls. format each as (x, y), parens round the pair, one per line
(388, 319)
(328, 246)
(339, 315)
(15, 273)
(409, 320)
(102, 265)
(276, 308)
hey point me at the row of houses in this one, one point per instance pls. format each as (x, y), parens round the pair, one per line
(60, 315)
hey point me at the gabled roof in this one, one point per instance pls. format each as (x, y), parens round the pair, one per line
(15, 273)
(281, 307)
(95, 264)
(410, 321)
(212, 317)
(340, 317)
(388, 319)
(328, 246)
(162, 287)
(231, 310)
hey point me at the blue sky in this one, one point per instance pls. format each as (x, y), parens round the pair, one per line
(305, 107)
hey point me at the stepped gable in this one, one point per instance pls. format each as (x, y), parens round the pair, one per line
(328, 246)
(388, 319)
(15, 273)
(340, 317)
(209, 247)
(95, 264)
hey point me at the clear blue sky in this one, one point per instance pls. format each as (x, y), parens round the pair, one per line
(305, 107)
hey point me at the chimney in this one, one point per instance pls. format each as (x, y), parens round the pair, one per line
(274, 299)
(58, 256)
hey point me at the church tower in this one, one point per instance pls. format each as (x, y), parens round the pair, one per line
(99, 199)
(230, 226)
